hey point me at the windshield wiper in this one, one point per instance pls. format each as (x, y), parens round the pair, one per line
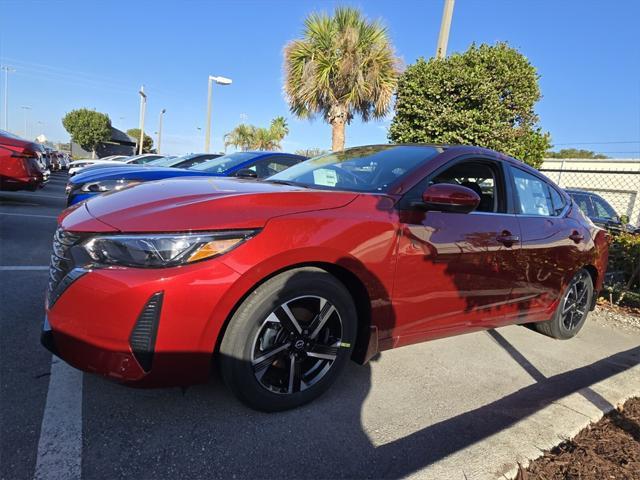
(287, 182)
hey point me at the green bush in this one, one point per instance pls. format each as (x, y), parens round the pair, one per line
(624, 257)
(485, 96)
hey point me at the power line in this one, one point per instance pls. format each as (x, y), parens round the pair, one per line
(597, 143)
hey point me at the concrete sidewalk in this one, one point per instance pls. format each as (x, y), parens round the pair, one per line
(495, 399)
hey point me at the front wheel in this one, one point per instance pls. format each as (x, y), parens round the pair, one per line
(572, 309)
(289, 339)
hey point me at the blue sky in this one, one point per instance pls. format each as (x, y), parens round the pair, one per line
(71, 54)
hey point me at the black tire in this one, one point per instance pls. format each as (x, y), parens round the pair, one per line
(261, 325)
(570, 315)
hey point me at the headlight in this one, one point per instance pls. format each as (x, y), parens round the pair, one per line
(156, 251)
(107, 185)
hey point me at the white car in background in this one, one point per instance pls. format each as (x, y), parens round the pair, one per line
(136, 160)
(86, 162)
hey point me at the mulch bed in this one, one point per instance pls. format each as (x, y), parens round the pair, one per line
(608, 449)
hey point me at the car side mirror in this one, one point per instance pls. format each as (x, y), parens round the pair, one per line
(246, 173)
(446, 197)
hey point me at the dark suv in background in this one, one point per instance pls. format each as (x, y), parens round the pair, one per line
(600, 211)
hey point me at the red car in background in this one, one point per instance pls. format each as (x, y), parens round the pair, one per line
(21, 164)
(280, 282)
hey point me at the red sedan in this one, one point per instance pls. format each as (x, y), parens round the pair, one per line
(280, 282)
(21, 164)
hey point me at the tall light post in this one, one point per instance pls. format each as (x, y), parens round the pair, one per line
(26, 108)
(7, 70)
(160, 129)
(445, 26)
(219, 81)
(143, 108)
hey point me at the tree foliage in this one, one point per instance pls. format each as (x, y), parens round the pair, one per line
(574, 153)
(147, 142)
(249, 137)
(484, 96)
(344, 65)
(87, 128)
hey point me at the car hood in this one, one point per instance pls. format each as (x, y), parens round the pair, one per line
(132, 173)
(200, 203)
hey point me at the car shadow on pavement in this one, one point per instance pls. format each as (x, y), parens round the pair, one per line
(206, 432)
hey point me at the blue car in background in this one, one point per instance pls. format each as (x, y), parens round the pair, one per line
(239, 164)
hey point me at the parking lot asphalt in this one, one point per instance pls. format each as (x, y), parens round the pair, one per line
(466, 407)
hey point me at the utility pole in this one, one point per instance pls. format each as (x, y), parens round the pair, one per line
(7, 70)
(445, 26)
(143, 107)
(26, 130)
(219, 81)
(160, 130)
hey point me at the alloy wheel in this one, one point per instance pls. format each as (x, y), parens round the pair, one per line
(297, 344)
(574, 305)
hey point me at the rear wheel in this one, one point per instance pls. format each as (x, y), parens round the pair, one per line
(572, 310)
(289, 340)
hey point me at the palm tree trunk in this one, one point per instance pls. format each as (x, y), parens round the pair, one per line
(337, 134)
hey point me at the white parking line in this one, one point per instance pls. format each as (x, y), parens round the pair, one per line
(44, 195)
(23, 268)
(28, 215)
(60, 444)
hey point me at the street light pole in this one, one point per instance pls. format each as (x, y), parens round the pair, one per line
(445, 26)
(7, 70)
(219, 81)
(160, 130)
(143, 107)
(25, 108)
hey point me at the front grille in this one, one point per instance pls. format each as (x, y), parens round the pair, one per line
(62, 270)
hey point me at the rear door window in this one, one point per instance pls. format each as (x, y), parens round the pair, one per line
(534, 194)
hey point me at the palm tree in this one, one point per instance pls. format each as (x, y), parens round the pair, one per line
(245, 137)
(264, 139)
(279, 128)
(240, 137)
(344, 65)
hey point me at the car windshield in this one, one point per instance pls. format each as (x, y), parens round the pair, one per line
(133, 159)
(362, 169)
(166, 161)
(225, 162)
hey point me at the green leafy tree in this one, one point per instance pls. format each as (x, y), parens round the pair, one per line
(147, 142)
(484, 96)
(87, 128)
(343, 66)
(574, 153)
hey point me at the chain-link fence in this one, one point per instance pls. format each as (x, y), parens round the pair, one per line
(621, 188)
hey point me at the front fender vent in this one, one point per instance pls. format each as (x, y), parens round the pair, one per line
(143, 335)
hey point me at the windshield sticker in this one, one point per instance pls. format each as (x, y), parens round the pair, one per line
(325, 177)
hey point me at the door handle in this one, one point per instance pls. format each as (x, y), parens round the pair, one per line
(507, 239)
(576, 236)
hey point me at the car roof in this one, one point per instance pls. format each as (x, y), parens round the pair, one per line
(577, 190)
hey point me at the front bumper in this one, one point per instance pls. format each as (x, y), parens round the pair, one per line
(95, 322)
